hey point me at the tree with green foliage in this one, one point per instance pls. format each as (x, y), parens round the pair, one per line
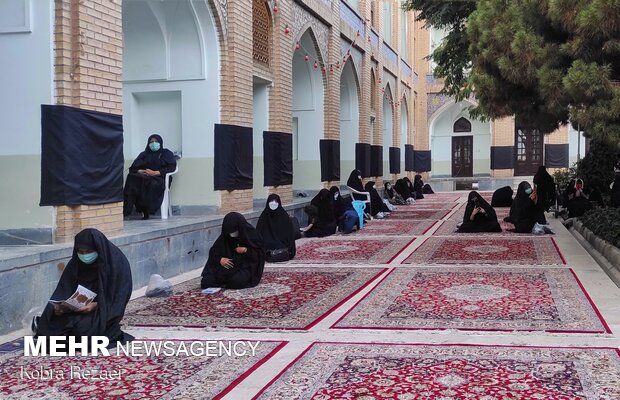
(547, 61)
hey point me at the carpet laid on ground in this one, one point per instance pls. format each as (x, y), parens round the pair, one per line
(391, 227)
(501, 212)
(445, 196)
(418, 213)
(352, 250)
(286, 298)
(522, 250)
(478, 298)
(448, 228)
(142, 377)
(394, 371)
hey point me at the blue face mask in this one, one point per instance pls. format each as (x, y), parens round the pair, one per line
(88, 258)
(528, 191)
(154, 146)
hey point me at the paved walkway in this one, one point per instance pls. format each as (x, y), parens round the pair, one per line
(381, 314)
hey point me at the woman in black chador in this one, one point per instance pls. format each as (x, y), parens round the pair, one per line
(545, 190)
(277, 230)
(502, 197)
(402, 188)
(377, 205)
(523, 209)
(100, 266)
(355, 182)
(236, 259)
(145, 184)
(321, 217)
(479, 216)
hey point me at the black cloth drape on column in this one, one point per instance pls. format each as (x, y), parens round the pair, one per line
(330, 159)
(394, 160)
(409, 160)
(233, 161)
(422, 160)
(376, 160)
(278, 158)
(362, 158)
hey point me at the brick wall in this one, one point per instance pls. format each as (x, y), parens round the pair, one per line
(88, 54)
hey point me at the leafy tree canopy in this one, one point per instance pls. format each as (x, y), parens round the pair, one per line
(546, 61)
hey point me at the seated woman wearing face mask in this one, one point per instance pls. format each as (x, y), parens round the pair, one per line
(236, 259)
(392, 195)
(101, 267)
(277, 230)
(479, 216)
(346, 216)
(523, 210)
(377, 206)
(577, 199)
(145, 184)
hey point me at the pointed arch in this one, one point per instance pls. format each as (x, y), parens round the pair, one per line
(461, 125)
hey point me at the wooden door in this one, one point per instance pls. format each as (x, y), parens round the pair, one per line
(462, 156)
(528, 151)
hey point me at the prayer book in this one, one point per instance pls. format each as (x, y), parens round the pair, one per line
(211, 290)
(78, 300)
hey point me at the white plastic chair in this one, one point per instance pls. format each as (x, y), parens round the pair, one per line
(367, 201)
(166, 207)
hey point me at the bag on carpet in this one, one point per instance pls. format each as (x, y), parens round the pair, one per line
(277, 255)
(158, 287)
(389, 205)
(538, 229)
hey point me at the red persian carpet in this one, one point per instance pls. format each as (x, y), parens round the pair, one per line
(415, 213)
(144, 377)
(397, 227)
(448, 228)
(477, 298)
(353, 250)
(446, 197)
(400, 372)
(521, 250)
(286, 298)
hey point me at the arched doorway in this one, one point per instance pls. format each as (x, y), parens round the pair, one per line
(308, 114)
(457, 140)
(388, 130)
(404, 131)
(171, 86)
(349, 119)
(373, 104)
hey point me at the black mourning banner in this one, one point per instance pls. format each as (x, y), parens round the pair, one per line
(362, 158)
(422, 160)
(409, 163)
(278, 158)
(394, 160)
(330, 159)
(376, 160)
(502, 157)
(556, 155)
(81, 156)
(233, 157)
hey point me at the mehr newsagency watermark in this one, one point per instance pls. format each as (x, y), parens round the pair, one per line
(99, 346)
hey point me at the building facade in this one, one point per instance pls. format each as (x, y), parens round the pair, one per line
(337, 83)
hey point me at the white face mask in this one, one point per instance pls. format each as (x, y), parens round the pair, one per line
(359, 177)
(335, 196)
(374, 186)
(273, 205)
(389, 187)
(234, 234)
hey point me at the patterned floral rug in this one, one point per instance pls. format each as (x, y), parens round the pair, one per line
(479, 298)
(144, 377)
(407, 372)
(418, 213)
(445, 196)
(352, 250)
(448, 228)
(521, 250)
(396, 227)
(286, 298)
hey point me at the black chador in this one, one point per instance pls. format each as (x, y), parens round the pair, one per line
(105, 271)
(276, 228)
(236, 259)
(479, 216)
(146, 191)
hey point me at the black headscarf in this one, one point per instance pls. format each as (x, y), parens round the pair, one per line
(225, 245)
(275, 226)
(109, 276)
(354, 181)
(376, 203)
(402, 188)
(418, 187)
(545, 187)
(161, 160)
(475, 200)
(522, 211)
(502, 197)
(390, 191)
(323, 202)
(340, 204)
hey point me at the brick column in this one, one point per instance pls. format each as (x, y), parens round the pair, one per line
(365, 82)
(281, 94)
(88, 55)
(237, 87)
(503, 134)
